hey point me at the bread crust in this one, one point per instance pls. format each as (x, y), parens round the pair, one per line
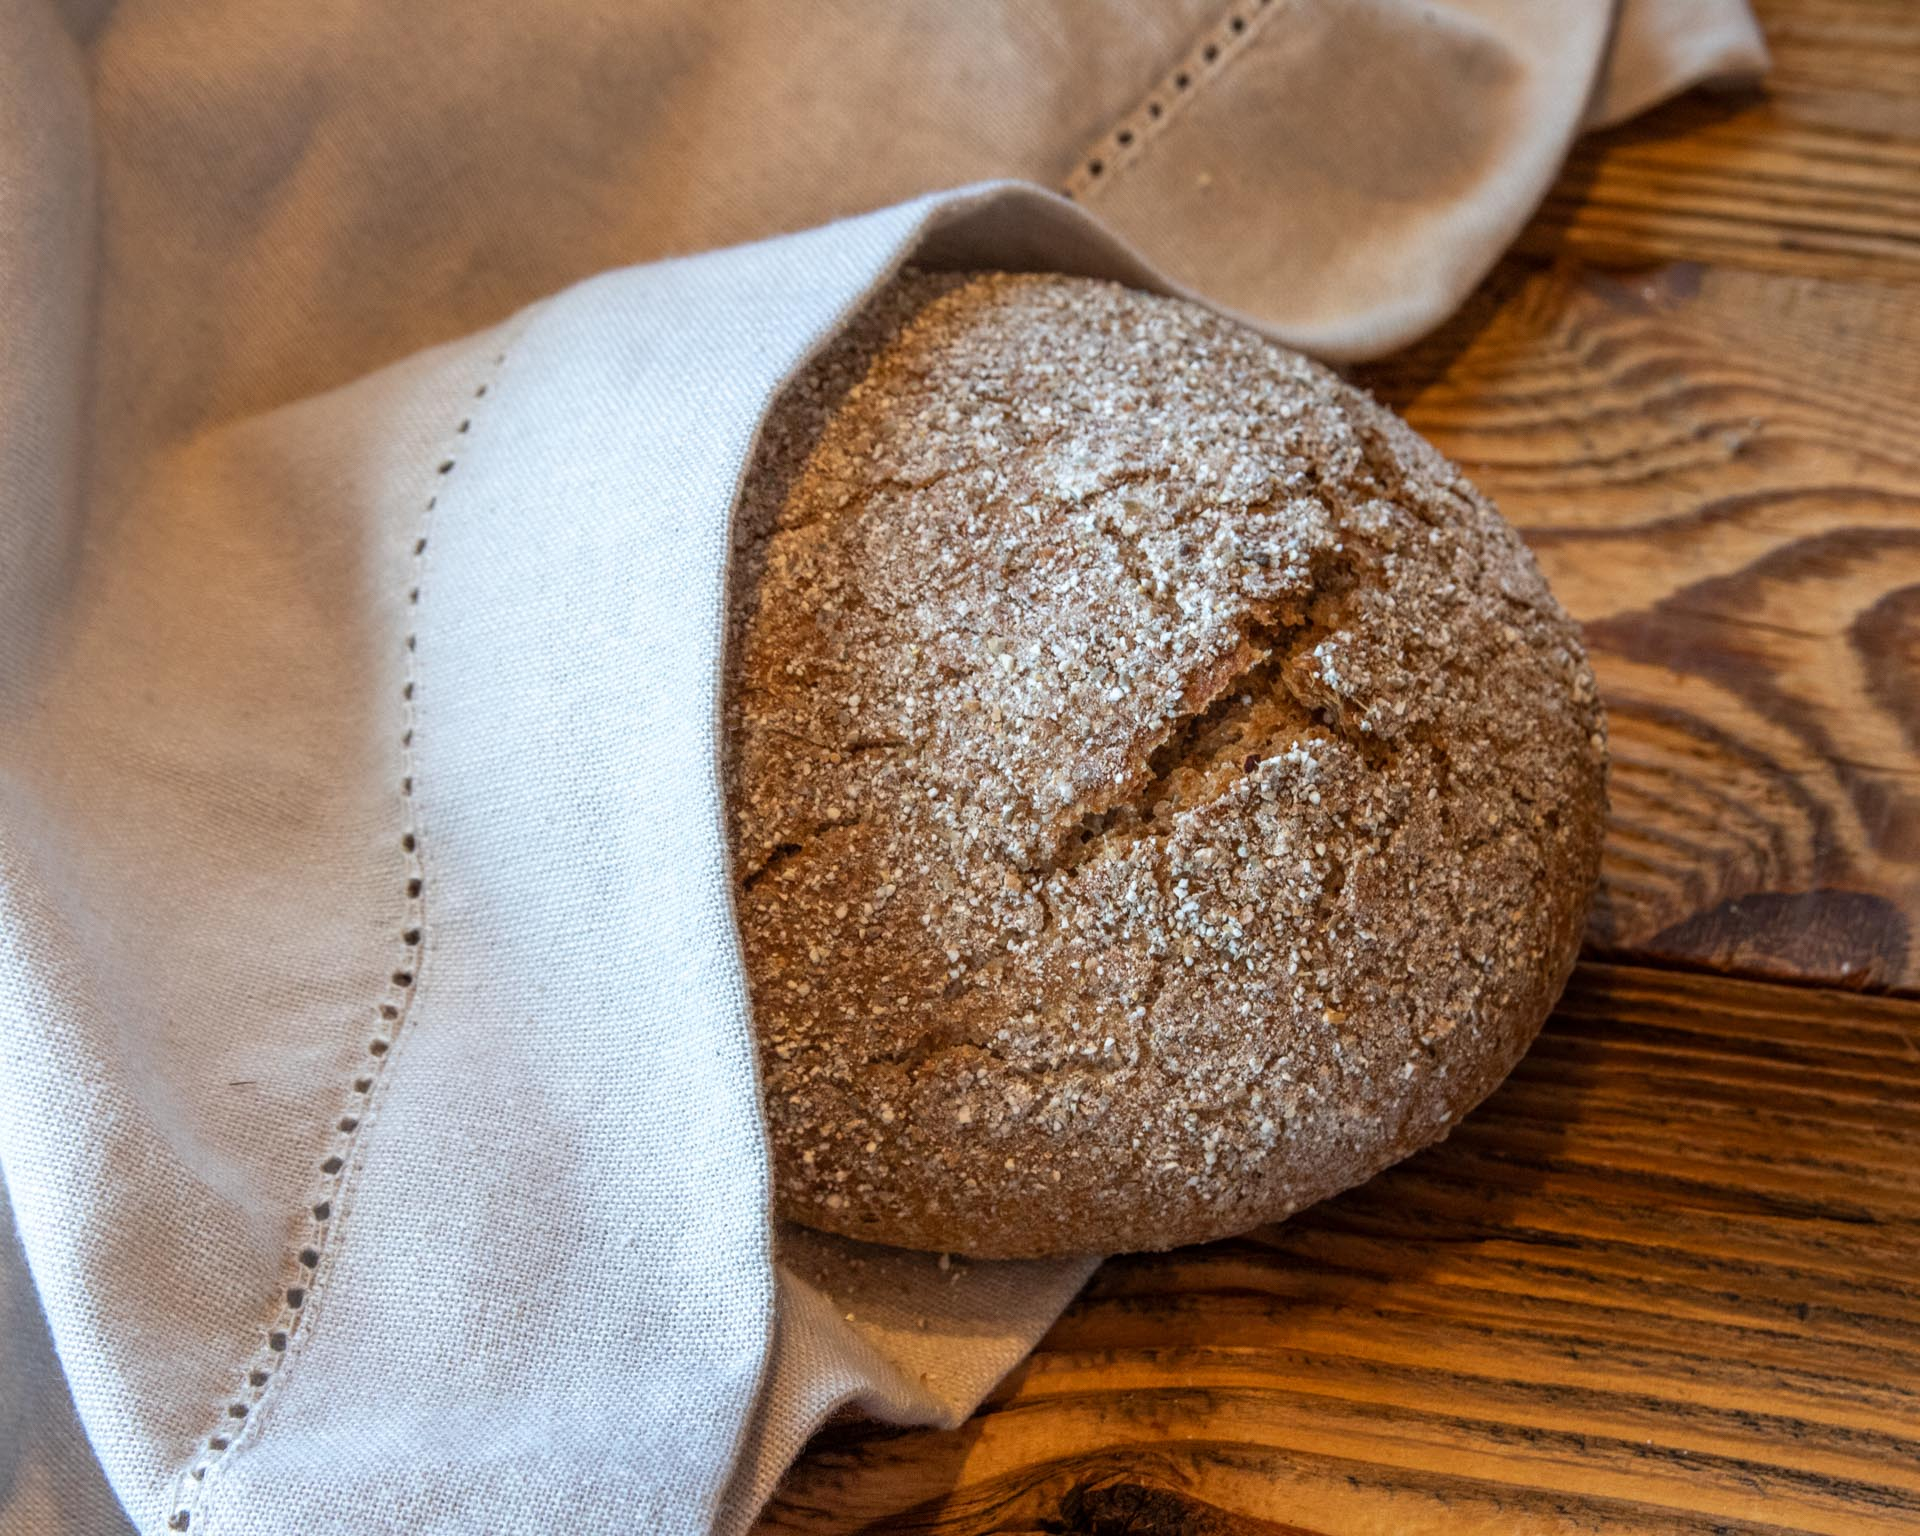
(1163, 792)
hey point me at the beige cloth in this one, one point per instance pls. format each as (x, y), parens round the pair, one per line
(377, 1112)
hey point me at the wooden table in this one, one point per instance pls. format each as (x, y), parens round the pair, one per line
(1668, 1279)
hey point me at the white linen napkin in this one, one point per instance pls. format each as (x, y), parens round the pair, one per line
(377, 1105)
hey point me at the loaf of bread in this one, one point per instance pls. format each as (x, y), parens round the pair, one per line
(1162, 791)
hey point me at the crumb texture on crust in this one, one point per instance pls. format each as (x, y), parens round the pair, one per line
(1162, 791)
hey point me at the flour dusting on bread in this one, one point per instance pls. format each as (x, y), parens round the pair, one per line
(1162, 791)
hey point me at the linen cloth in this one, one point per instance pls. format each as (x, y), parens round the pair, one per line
(377, 1106)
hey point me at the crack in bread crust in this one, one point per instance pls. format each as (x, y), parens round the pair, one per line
(1220, 732)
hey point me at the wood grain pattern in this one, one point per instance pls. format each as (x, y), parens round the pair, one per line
(1662, 1282)
(1818, 172)
(1720, 474)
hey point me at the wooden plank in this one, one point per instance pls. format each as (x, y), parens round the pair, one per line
(1816, 173)
(1662, 1282)
(1720, 473)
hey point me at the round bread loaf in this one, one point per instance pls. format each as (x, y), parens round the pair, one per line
(1162, 791)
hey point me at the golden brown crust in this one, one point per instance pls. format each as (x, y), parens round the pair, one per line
(1163, 792)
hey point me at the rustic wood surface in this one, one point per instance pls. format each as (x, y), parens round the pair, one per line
(1666, 1280)
(1663, 1281)
(1819, 173)
(1704, 411)
(1720, 473)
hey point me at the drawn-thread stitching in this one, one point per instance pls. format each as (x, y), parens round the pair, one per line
(389, 1014)
(1126, 142)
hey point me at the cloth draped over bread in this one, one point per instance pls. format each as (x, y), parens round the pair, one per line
(378, 1114)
